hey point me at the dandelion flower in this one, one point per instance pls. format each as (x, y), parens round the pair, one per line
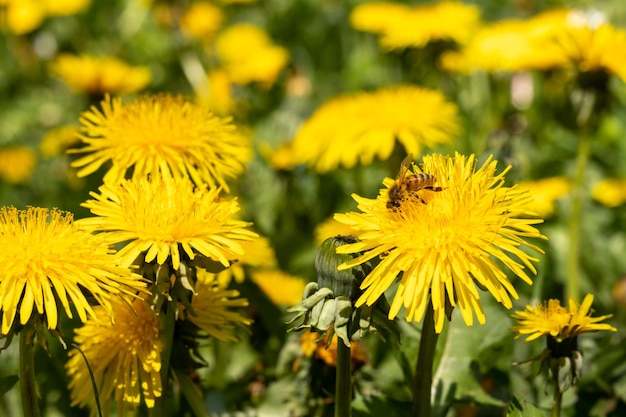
(258, 253)
(358, 127)
(401, 26)
(23, 16)
(163, 216)
(248, 55)
(218, 310)
(551, 319)
(17, 164)
(99, 75)
(65, 7)
(282, 288)
(58, 140)
(202, 20)
(610, 192)
(47, 261)
(125, 358)
(445, 244)
(545, 192)
(164, 134)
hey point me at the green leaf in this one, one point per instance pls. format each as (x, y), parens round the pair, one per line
(519, 407)
(6, 383)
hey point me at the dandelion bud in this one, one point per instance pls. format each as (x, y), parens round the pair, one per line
(342, 283)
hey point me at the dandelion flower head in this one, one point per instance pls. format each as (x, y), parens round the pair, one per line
(202, 20)
(444, 244)
(47, 262)
(550, 318)
(610, 192)
(218, 310)
(402, 26)
(17, 164)
(99, 75)
(545, 192)
(358, 127)
(257, 254)
(125, 358)
(281, 287)
(161, 134)
(164, 217)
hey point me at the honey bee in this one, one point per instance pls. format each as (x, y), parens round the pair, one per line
(406, 186)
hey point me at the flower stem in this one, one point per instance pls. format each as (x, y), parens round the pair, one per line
(166, 332)
(423, 378)
(343, 389)
(192, 394)
(556, 400)
(28, 385)
(578, 197)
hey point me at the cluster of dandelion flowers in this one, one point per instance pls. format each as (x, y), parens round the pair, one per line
(47, 263)
(552, 319)
(217, 309)
(443, 244)
(161, 217)
(124, 357)
(160, 134)
(358, 127)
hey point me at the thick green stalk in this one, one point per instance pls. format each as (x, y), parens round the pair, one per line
(192, 394)
(28, 385)
(343, 389)
(166, 333)
(556, 399)
(423, 378)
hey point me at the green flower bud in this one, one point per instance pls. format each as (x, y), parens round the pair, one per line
(342, 283)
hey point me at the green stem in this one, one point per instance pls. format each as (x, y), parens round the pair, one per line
(423, 378)
(343, 389)
(192, 394)
(556, 400)
(579, 198)
(28, 385)
(166, 332)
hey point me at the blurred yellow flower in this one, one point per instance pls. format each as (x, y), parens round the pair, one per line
(159, 218)
(202, 20)
(23, 16)
(248, 55)
(331, 227)
(218, 96)
(218, 310)
(356, 128)
(258, 253)
(58, 140)
(17, 164)
(124, 356)
(402, 26)
(99, 75)
(610, 192)
(444, 245)
(281, 287)
(47, 261)
(559, 322)
(545, 192)
(65, 7)
(161, 134)
(491, 47)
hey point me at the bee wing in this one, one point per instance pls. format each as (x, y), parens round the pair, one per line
(404, 167)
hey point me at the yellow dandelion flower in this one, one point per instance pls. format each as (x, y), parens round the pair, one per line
(331, 227)
(358, 127)
(559, 322)
(218, 310)
(444, 244)
(17, 164)
(23, 16)
(258, 253)
(161, 216)
(125, 357)
(282, 288)
(163, 134)
(47, 261)
(490, 48)
(401, 26)
(202, 20)
(610, 192)
(248, 55)
(545, 192)
(58, 140)
(99, 75)
(218, 95)
(592, 48)
(65, 7)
